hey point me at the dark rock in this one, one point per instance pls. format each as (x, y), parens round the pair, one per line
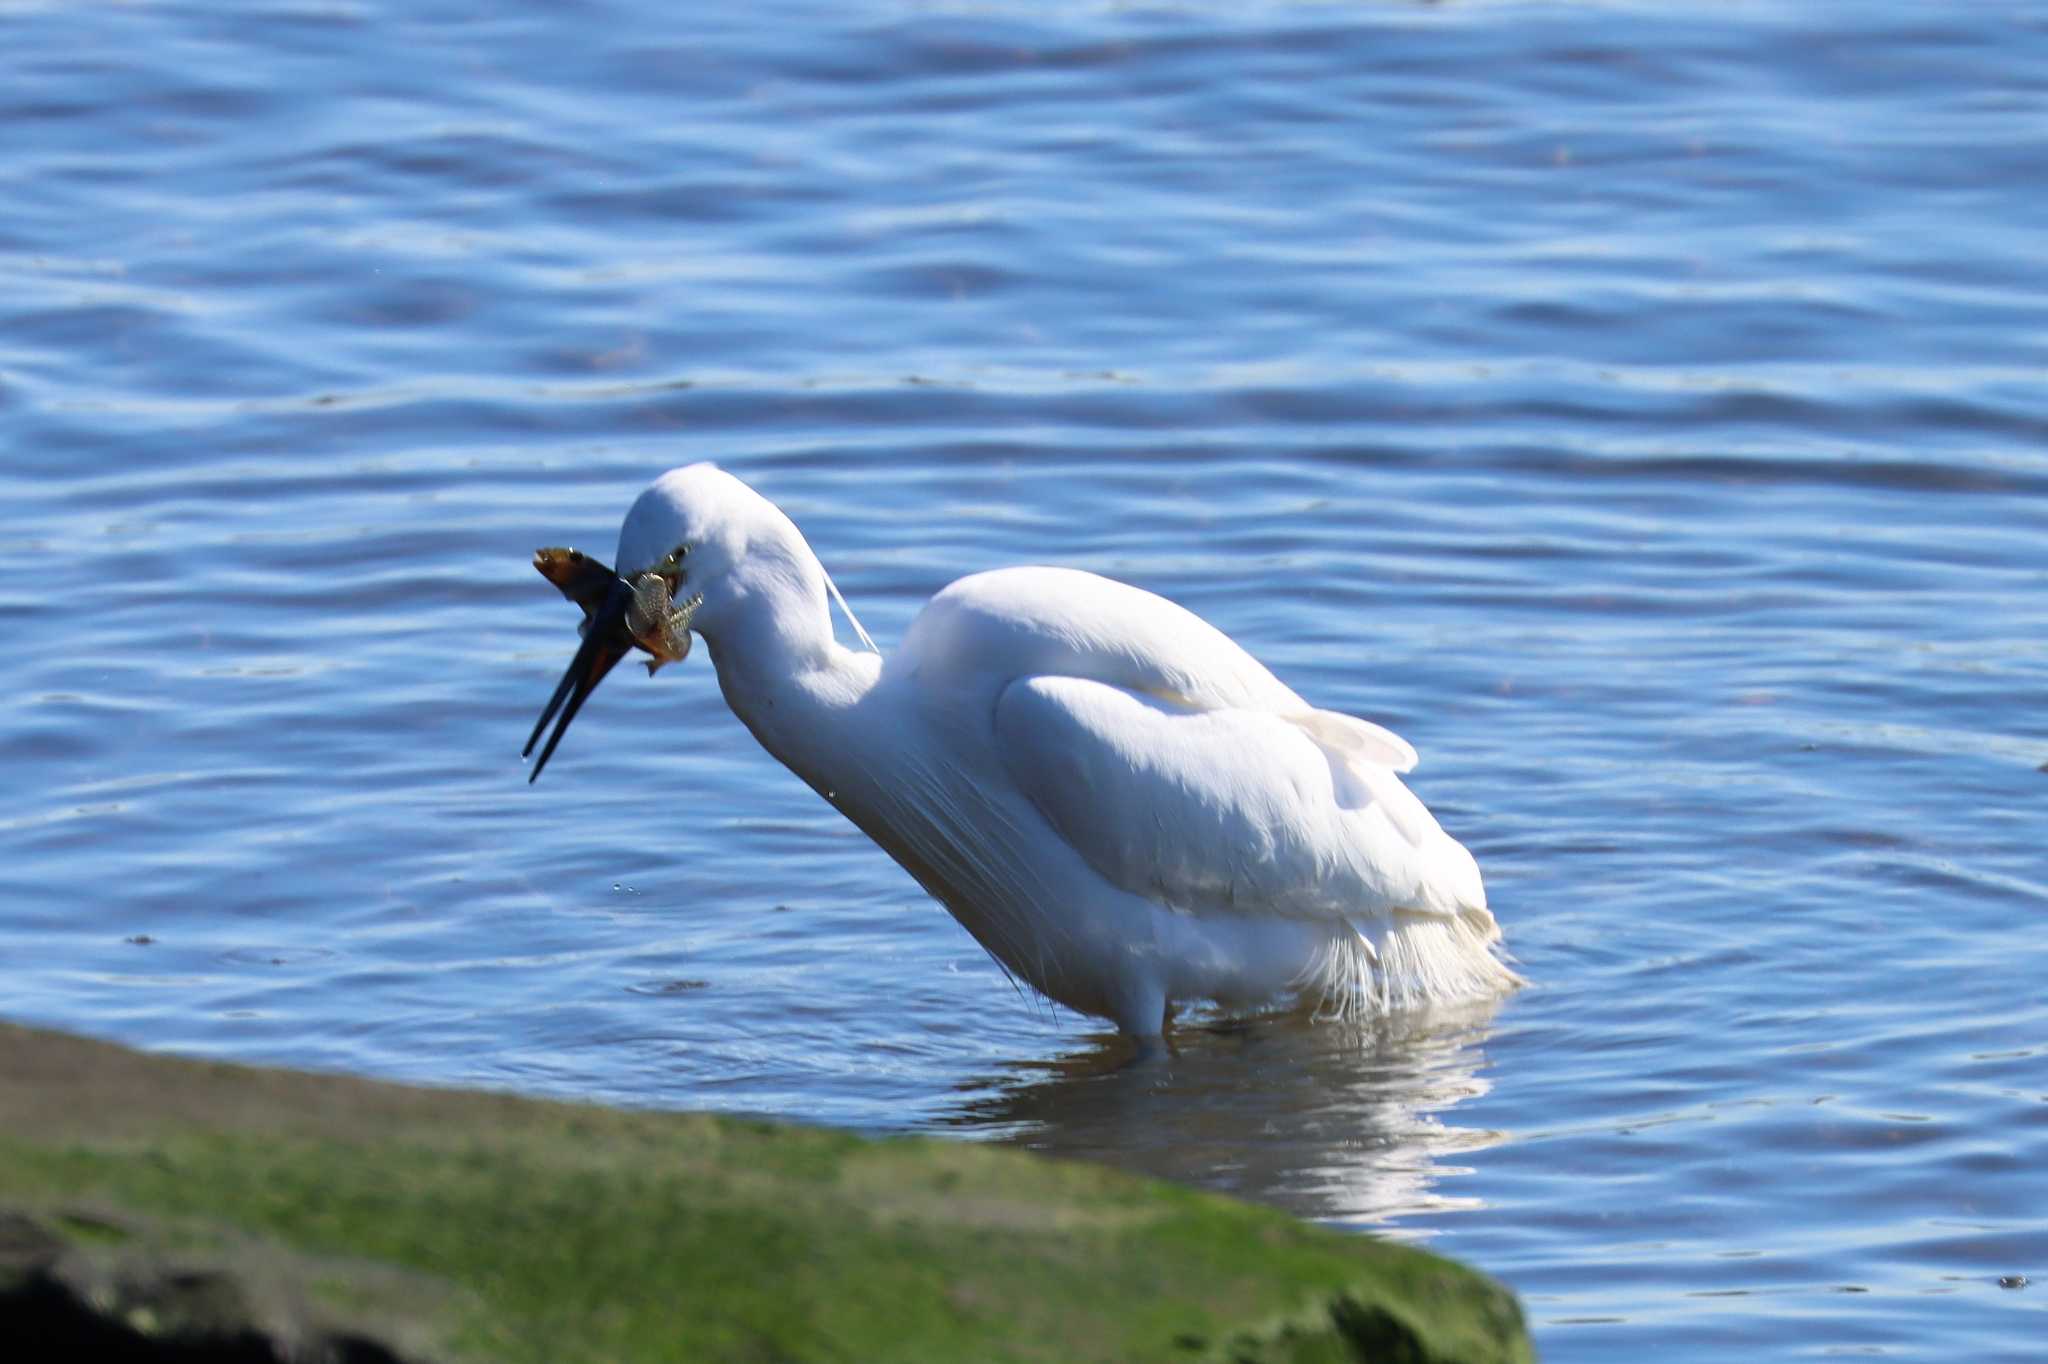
(60, 1305)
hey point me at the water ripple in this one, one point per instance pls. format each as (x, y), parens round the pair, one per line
(1637, 407)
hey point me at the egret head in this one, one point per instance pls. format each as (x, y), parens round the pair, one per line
(699, 551)
(674, 544)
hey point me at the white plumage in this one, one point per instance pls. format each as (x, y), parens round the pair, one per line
(1123, 806)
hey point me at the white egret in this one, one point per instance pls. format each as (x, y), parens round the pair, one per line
(1124, 807)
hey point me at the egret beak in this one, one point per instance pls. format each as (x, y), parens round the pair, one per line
(606, 640)
(618, 617)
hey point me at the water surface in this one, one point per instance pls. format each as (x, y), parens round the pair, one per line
(1637, 407)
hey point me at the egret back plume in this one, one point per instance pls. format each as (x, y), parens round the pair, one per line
(847, 611)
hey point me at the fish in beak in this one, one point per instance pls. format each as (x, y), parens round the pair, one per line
(619, 615)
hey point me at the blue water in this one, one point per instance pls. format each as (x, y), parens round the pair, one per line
(1639, 407)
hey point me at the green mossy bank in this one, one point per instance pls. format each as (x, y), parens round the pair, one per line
(172, 1205)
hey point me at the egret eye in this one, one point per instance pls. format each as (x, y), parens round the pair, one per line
(671, 566)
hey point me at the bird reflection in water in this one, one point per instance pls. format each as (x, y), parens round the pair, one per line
(1338, 1122)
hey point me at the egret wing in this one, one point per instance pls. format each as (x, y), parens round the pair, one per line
(1230, 810)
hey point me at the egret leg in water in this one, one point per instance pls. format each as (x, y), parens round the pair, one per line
(1124, 807)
